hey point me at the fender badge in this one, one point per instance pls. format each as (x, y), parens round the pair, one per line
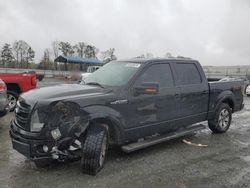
(123, 101)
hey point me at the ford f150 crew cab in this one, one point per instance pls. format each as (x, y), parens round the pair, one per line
(132, 104)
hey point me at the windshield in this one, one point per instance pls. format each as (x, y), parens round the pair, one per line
(113, 74)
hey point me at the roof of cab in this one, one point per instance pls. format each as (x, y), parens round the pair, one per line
(148, 60)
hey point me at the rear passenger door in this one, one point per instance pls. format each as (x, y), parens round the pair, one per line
(193, 93)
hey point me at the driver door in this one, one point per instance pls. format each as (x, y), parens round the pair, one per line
(153, 113)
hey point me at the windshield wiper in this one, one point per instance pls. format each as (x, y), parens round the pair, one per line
(95, 83)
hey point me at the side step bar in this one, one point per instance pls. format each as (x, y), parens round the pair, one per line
(162, 138)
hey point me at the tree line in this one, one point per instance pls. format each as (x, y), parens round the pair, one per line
(21, 55)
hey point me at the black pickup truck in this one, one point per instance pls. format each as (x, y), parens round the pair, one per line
(132, 104)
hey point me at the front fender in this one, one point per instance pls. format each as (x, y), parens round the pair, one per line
(104, 112)
(79, 118)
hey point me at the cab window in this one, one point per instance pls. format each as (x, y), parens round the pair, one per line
(158, 73)
(187, 74)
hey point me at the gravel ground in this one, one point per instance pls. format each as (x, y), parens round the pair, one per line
(224, 163)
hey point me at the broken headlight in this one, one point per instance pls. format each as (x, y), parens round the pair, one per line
(36, 124)
(56, 134)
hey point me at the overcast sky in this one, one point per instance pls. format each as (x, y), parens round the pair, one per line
(216, 32)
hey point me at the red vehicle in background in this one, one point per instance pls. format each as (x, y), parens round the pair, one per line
(17, 83)
(39, 76)
(3, 99)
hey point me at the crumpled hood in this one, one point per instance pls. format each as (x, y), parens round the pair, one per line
(63, 90)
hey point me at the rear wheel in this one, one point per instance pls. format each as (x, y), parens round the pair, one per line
(94, 149)
(12, 100)
(222, 119)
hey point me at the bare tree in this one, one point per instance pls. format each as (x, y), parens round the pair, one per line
(55, 48)
(108, 55)
(24, 53)
(79, 49)
(16, 49)
(90, 51)
(30, 56)
(66, 49)
(45, 63)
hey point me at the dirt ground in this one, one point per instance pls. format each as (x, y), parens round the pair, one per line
(224, 163)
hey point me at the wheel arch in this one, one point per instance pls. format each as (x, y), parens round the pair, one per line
(230, 102)
(14, 87)
(115, 131)
(223, 98)
(227, 97)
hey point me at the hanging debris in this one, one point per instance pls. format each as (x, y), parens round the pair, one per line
(193, 144)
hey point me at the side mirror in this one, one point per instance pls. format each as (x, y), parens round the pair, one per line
(147, 88)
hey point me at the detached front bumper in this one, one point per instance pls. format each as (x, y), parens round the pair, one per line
(27, 143)
(37, 146)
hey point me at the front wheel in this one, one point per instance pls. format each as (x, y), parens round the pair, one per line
(12, 100)
(222, 119)
(43, 163)
(3, 113)
(94, 149)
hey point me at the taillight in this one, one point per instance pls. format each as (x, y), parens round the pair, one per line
(33, 80)
(2, 86)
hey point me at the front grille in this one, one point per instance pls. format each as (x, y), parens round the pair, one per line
(22, 115)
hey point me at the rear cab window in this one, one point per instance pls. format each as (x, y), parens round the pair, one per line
(187, 74)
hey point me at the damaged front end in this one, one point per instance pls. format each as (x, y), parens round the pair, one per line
(53, 131)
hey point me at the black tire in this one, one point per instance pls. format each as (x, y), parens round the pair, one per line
(248, 95)
(94, 149)
(43, 163)
(40, 78)
(222, 119)
(3, 113)
(12, 104)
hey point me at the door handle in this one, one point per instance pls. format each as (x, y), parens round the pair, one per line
(204, 92)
